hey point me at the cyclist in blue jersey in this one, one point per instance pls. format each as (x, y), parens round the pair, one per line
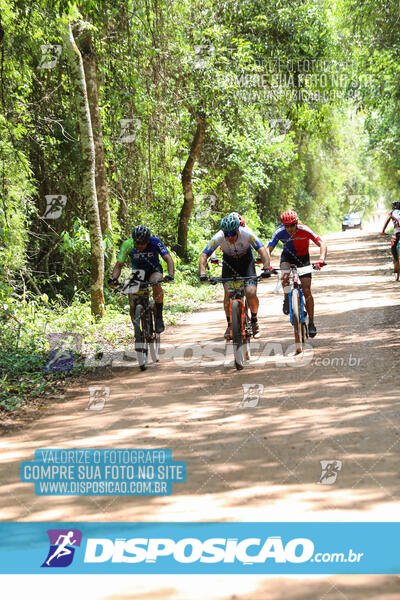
(236, 243)
(144, 251)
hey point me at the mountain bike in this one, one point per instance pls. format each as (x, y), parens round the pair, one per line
(146, 338)
(240, 323)
(297, 310)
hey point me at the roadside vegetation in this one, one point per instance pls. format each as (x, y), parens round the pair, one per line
(173, 114)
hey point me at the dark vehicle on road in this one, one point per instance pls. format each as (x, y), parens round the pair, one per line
(351, 221)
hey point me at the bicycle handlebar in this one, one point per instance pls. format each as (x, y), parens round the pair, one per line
(125, 284)
(275, 270)
(215, 280)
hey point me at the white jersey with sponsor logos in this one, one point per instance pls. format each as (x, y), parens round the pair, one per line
(246, 239)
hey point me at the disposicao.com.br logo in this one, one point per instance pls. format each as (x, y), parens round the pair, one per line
(167, 552)
(191, 550)
(248, 551)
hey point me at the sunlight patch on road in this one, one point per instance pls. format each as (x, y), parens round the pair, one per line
(274, 502)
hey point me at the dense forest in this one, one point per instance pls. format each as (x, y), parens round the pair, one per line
(172, 114)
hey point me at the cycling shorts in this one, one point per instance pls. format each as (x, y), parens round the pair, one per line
(243, 266)
(288, 259)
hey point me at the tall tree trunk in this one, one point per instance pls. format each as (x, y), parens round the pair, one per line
(188, 199)
(90, 67)
(89, 182)
(118, 191)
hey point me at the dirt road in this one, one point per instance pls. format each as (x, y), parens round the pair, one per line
(257, 460)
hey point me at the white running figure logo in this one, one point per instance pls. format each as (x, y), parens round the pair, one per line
(62, 550)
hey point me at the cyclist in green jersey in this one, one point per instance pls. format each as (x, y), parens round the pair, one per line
(144, 251)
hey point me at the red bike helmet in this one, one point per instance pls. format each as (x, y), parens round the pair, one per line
(241, 220)
(289, 217)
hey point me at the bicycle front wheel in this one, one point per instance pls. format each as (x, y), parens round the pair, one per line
(248, 330)
(237, 334)
(296, 322)
(140, 336)
(154, 338)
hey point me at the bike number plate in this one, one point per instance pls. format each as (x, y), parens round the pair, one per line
(133, 288)
(235, 285)
(139, 274)
(304, 270)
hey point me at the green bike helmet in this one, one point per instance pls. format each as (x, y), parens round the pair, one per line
(230, 224)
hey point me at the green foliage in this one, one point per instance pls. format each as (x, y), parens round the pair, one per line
(25, 329)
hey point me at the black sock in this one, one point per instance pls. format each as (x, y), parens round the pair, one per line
(229, 321)
(159, 309)
(254, 317)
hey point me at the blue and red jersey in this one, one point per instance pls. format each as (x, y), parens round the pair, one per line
(296, 245)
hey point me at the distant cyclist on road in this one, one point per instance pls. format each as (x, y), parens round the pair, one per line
(144, 251)
(295, 238)
(394, 215)
(236, 243)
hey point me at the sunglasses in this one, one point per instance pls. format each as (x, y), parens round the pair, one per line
(230, 233)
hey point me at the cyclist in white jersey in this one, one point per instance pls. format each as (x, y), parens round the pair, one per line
(236, 244)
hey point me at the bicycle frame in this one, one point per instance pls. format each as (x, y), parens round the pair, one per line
(295, 273)
(145, 334)
(297, 309)
(236, 289)
(239, 335)
(140, 292)
(236, 294)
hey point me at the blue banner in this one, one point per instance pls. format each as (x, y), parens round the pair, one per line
(199, 548)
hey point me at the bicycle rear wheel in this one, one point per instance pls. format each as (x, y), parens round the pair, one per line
(296, 322)
(140, 336)
(237, 334)
(154, 338)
